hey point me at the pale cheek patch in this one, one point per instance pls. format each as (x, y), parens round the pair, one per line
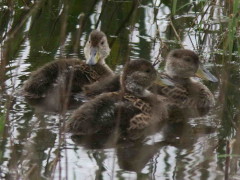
(104, 51)
(87, 52)
(146, 93)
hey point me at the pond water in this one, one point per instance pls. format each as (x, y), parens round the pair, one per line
(33, 33)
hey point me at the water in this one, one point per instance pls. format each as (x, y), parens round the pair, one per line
(31, 142)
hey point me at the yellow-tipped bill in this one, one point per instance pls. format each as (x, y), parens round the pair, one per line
(163, 82)
(203, 73)
(94, 56)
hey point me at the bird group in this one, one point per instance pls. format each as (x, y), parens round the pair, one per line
(138, 99)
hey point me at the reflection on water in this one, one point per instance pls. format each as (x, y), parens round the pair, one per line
(33, 143)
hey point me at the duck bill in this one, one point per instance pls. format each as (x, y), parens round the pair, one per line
(203, 73)
(164, 82)
(94, 56)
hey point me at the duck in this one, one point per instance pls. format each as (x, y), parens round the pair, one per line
(183, 90)
(132, 109)
(72, 74)
(182, 65)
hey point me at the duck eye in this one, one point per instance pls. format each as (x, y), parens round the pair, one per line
(102, 42)
(147, 71)
(89, 41)
(188, 59)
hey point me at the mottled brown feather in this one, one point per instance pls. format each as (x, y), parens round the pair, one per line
(72, 74)
(126, 108)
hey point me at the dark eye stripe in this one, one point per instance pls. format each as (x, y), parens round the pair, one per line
(188, 59)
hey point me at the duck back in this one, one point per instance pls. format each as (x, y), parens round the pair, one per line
(73, 74)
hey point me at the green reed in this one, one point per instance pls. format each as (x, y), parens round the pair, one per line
(174, 7)
(232, 42)
(2, 123)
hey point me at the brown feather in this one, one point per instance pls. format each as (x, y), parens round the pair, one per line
(127, 109)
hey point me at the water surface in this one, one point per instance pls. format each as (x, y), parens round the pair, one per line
(33, 33)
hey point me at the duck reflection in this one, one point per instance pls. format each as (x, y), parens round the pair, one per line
(57, 104)
(138, 154)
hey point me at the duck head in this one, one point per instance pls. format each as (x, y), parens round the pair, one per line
(183, 64)
(137, 76)
(96, 48)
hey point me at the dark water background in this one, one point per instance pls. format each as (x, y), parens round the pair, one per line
(33, 33)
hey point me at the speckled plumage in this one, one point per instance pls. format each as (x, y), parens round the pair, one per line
(181, 65)
(73, 74)
(127, 109)
(188, 93)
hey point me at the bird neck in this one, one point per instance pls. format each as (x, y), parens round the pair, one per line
(134, 89)
(103, 63)
(137, 92)
(178, 79)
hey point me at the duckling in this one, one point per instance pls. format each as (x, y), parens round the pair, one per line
(72, 73)
(133, 108)
(183, 92)
(181, 66)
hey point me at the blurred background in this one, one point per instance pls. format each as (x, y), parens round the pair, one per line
(35, 32)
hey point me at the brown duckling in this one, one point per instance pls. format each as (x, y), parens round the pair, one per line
(184, 92)
(72, 73)
(133, 108)
(181, 66)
